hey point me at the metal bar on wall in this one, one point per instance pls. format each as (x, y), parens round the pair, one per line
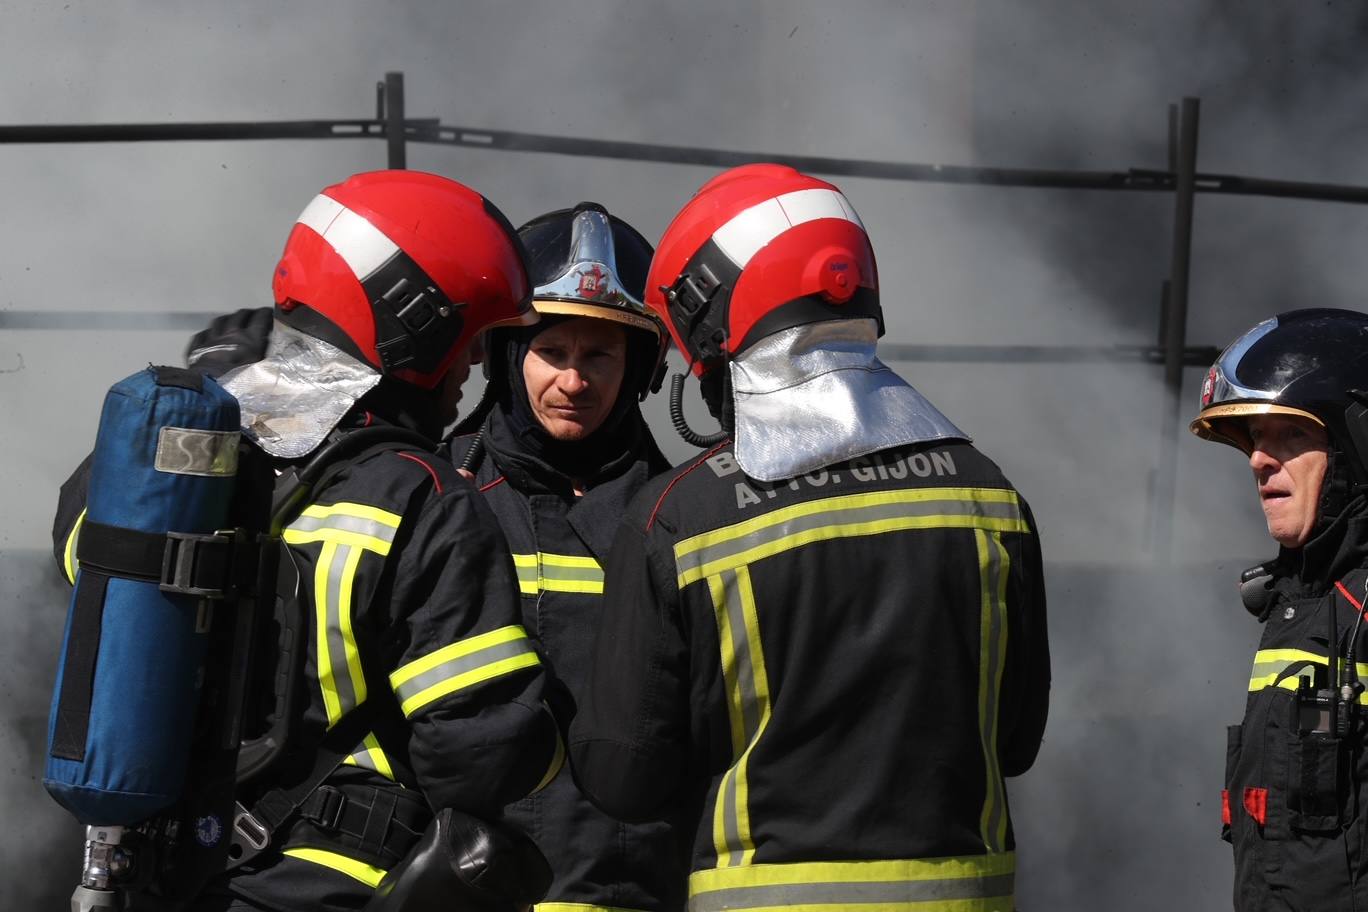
(395, 129)
(1175, 335)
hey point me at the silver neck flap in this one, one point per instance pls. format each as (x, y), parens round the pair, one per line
(296, 395)
(815, 395)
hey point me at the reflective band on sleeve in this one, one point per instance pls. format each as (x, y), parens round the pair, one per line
(368, 874)
(346, 524)
(748, 706)
(973, 883)
(543, 572)
(69, 557)
(994, 563)
(1270, 665)
(990, 509)
(462, 665)
(372, 757)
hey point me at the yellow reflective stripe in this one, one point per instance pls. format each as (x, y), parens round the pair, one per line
(368, 874)
(526, 565)
(461, 665)
(69, 554)
(974, 883)
(845, 516)
(743, 672)
(1269, 664)
(371, 757)
(557, 762)
(545, 572)
(994, 563)
(345, 523)
(340, 677)
(579, 907)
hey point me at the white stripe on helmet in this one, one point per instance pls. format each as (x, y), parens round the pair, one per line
(359, 243)
(749, 231)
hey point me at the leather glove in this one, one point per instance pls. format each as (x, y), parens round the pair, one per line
(230, 341)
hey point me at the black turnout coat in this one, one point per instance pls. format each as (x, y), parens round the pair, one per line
(834, 673)
(559, 544)
(1293, 798)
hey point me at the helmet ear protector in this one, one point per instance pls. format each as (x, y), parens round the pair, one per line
(1356, 430)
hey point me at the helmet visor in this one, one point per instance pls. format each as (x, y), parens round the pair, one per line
(590, 285)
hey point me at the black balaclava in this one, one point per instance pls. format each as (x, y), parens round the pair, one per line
(517, 434)
(400, 403)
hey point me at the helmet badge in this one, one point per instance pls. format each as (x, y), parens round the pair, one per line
(593, 282)
(1209, 386)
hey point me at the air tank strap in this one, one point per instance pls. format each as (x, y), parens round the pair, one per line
(215, 565)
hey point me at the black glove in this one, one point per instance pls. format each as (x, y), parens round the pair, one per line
(462, 862)
(230, 341)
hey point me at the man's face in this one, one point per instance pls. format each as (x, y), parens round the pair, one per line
(573, 372)
(1289, 456)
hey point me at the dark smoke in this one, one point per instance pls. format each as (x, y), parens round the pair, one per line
(1151, 657)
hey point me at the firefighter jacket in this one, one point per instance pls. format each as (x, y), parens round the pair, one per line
(835, 673)
(1294, 796)
(411, 603)
(559, 543)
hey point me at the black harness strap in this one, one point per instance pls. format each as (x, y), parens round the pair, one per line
(253, 828)
(78, 674)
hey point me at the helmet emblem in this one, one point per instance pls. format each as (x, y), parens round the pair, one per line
(1208, 386)
(593, 282)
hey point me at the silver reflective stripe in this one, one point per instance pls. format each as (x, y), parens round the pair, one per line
(190, 451)
(749, 231)
(844, 894)
(461, 665)
(336, 677)
(345, 523)
(359, 243)
(691, 562)
(572, 574)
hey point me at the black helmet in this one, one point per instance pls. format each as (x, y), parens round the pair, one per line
(584, 262)
(1312, 363)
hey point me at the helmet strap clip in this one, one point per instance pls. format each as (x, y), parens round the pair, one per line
(415, 323)
(698, 302)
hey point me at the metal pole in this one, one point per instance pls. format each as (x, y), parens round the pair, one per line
(394, 120)
(1175, 329)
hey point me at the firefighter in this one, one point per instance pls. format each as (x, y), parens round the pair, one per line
(1289, 394)
(825, 636)
(560, 454)
(422, 692)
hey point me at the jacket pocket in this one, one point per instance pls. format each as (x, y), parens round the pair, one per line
(1315, 782)
(1228, 804)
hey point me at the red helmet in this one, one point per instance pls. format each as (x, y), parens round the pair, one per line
(402, 270)
(758, 249)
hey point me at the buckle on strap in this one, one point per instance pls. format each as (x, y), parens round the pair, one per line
(250, 830)
(324, 807)
(215, 566)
